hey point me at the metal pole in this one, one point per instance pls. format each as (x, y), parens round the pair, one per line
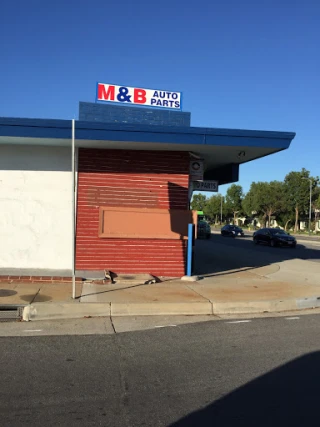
(73, 226)
(310, 207)
(221, 212)
(190, 245)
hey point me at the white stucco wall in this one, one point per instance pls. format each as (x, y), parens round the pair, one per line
(35, 207)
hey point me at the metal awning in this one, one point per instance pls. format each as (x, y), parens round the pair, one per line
(218, 147)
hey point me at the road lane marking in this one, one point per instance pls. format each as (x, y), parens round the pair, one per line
(292, 318)
(240, 321)
(32, 330)
(165, 326)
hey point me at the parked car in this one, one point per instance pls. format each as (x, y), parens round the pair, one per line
(274, 237)
(232, 230)
(204, 230)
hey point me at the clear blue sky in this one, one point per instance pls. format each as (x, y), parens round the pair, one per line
(240, 64)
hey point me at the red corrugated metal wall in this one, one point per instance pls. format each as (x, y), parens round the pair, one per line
(129, 179)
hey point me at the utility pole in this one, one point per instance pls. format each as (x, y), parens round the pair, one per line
(310, 207)
(310, 202)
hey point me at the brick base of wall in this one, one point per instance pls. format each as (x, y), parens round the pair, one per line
(50, 279)
(38, 279)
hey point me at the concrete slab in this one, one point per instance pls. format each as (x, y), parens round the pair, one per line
(23, 293)
(298, 271)
(159, 292)
(57, 292)
(262, 290)
(238, 277)
(4, 285)
(265, 270)
(248, 273)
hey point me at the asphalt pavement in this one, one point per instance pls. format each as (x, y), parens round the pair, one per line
(240, 372)
(222, 254)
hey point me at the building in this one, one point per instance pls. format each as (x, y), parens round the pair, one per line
(132, 192)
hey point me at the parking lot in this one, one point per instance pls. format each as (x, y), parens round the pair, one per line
(220, 255)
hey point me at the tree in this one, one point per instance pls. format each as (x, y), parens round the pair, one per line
(286, 218)
(198, 202)
(265, 199)
(269, 198)
(213, 207)
(316, 204)
(247, 206)
(234, 198)
(297, 193)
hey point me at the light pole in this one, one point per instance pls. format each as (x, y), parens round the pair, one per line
(310, 204)
(221, 210)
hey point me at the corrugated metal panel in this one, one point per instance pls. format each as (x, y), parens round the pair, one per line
(129, 179)
(95, 112)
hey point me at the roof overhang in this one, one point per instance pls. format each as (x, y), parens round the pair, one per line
(218, 147)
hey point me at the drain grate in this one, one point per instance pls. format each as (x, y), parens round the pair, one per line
(11, 313)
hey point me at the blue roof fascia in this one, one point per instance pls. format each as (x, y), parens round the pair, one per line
(61, 129)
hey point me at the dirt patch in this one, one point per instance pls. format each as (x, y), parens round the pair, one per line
(7, 292)
(42, 298)
(38, 298)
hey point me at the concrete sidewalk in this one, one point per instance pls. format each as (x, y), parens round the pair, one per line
(285, 286)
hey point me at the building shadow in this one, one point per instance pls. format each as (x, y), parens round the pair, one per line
(179, 217)
(286, 396)
(220, 255)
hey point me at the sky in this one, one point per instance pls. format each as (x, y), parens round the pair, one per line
(240, 64)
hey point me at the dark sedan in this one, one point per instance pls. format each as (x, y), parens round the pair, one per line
(232, 230)
(274, 237)
(204, 230)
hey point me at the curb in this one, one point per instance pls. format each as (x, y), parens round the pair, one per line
(271, 306)
(55, 311)
(255, 307)
(162, 309)
(311, 302)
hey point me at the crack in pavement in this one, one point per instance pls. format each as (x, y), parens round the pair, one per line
(188, 286)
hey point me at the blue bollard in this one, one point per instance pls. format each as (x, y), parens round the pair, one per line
(189, 253)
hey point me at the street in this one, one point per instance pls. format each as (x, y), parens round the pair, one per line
(221, 254)
(248, 372)
(169, 371)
